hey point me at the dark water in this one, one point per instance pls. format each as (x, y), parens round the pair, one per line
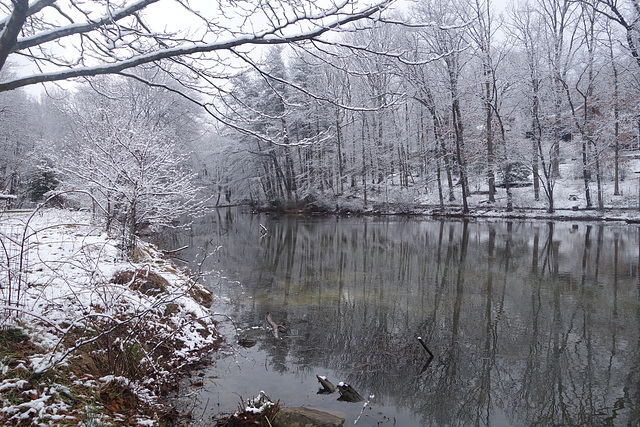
(531, 323)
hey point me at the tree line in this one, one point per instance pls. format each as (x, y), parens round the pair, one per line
(457, 99)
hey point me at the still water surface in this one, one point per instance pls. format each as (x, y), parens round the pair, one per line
(531, 323)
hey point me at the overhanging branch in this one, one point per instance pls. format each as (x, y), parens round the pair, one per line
(272, 36)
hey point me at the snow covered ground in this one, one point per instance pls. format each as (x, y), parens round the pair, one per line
(88, 337)
(568, 193)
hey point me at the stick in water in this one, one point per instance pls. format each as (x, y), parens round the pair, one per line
(429, 360)
(275, 326)
(425, 346)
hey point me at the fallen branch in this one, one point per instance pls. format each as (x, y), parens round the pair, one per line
(173, 251)
(275, 326)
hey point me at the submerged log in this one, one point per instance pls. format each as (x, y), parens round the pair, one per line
(275, 326)
(327, 387)
(348, 394)
(306, 417)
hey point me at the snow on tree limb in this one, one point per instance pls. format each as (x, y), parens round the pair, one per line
(58, 33)
(121, 39)
(12, 28)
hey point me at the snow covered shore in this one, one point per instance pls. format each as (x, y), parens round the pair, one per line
(88, 337)
(568, 195)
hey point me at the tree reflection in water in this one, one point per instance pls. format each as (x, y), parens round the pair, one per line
(531, 323)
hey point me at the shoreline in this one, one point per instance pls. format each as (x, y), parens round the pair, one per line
(89, 336)
(628, 215)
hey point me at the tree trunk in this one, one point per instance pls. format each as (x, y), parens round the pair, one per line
(616, 124)
(457, 124)
(557, 130)
(133, 229)
(289, 173)
(364, 159)
(549, 180)
(507, 187)
(599, 182)
(536, 131)
(12, 29)
(550, 206)
(438, 173)
(585, 172)
(488, 127)
(340, 155)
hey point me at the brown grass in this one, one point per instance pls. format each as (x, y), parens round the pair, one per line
(246, 418)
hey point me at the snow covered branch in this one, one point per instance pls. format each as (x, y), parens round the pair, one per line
(100, 42)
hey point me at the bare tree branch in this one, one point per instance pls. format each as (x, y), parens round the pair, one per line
(114, 47)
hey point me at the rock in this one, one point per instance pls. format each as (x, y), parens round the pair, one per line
(247, 342)
(143, 280)
(306, 417)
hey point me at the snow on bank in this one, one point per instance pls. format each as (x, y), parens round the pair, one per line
(78, 316)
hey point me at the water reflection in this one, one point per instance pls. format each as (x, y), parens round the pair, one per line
(531, 323)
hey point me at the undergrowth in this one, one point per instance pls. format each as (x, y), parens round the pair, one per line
(117, 377)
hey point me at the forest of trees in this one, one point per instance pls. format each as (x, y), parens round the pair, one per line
(449, 108)
(435, 97)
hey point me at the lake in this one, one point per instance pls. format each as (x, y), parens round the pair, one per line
(530, 323)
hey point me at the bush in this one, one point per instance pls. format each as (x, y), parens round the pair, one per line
(517, 173)
(41, 182)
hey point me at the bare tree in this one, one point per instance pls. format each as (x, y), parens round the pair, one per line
(584, 120)
(125, 152)
(616, 108)
(559, 20)
(625, 13)
(87, 38)
(482, 34)
(525, 29)
(421, 85)
(545, 31)
(447, 42)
